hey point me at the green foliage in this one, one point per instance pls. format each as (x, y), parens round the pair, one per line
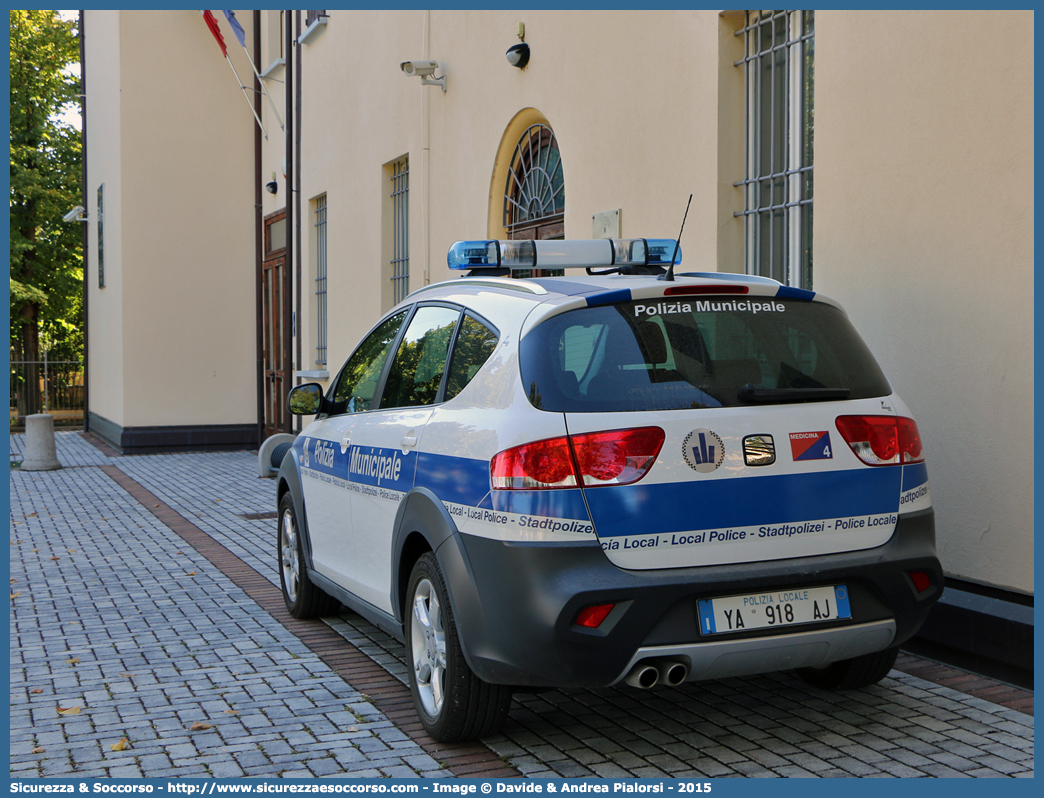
(46, 257)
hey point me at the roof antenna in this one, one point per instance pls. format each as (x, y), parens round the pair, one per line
(669, 276)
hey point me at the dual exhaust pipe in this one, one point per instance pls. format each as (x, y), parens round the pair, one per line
(650, 672)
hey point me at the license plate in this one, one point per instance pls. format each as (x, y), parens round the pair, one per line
(773, 609)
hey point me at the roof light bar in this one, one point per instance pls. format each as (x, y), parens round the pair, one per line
(575, 254)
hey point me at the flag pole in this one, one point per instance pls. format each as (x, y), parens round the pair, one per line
(240, 34)
(247, 98)
(264, 90)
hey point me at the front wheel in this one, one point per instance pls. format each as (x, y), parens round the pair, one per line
(850, 674)
(452, 702)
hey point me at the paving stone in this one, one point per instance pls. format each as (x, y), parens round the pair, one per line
(197, 645)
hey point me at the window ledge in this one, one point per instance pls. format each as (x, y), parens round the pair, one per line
(313, 375)
(267, 74)
(313, 30)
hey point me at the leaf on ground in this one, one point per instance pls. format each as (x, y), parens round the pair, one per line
(33, 550)
(231, 711)
(36, 691)
(128, 675)
(72, 661)
(352, 729)
(16, 594)
(29, 516)
(71, 551)
(179, 552)
(39, 750)
(56, 558)
(155, 505)
(69, 710)
(199, 726)
(13, 580)
(122, 745)
(190, 573)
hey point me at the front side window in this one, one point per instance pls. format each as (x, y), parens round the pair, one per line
(416, 373)
(695, 354)
(779, 65)
(357, 381)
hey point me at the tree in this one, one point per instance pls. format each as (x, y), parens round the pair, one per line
(46, 256)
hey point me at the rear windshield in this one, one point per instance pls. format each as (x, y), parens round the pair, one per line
(665, 355)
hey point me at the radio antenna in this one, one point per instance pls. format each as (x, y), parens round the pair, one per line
(669, 276)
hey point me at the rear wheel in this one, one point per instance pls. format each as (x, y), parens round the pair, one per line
(451, 701)
(849, 674)
(302, 598)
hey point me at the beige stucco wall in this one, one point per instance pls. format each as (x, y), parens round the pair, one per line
(173, 332)
(923, 200)
(633, 108)
(924, 230)
(105, 342)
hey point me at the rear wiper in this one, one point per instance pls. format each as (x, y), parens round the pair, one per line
(753, 394)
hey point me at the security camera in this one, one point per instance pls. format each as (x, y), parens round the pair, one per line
(422, 69)
(518, 55)
(76, 215)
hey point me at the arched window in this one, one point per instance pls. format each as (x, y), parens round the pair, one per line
(534, 194)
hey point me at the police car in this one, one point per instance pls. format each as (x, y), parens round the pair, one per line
(627, 474)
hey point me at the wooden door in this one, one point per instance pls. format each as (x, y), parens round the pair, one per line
(273, 314)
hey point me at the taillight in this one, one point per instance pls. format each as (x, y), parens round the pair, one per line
(882, 440)
(541, 464)
(618, 457)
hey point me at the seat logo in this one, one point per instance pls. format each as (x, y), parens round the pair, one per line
(703, 450)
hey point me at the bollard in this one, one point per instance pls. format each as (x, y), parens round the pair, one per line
(39, 444)
(266, 464)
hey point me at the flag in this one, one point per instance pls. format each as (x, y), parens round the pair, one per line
(214, 29)
(236, 27)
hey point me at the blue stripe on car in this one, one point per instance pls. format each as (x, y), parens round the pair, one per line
(609, 297)
(786, 292)
(682, 506)
(914, 476)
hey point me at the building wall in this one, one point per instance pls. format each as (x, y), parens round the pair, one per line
(170, 134)
(923, 200)
(104, 166)
(924, 231)
(635, 123)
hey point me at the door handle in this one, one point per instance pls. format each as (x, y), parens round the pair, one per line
(408, 442)
(346, 441)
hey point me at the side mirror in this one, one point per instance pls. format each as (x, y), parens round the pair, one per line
(306, 400)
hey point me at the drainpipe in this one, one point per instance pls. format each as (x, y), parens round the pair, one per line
(297, 197)
(258, 239)
(288, 313)
(426, 156)
(85, 230)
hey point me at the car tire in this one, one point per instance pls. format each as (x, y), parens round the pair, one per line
(302, 598)
(851, 674)
(452, 702)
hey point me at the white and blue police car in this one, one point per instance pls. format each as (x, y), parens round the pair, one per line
(623, 474)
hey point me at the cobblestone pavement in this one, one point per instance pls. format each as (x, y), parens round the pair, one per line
(145, 608)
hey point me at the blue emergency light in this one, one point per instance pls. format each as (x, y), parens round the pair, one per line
(595, 253)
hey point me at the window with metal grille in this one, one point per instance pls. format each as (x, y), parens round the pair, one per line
(400, 260)
(779, 47)
(320, 279)
(534, 197)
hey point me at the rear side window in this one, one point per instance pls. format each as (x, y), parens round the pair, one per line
(667, 355)
(475, 343)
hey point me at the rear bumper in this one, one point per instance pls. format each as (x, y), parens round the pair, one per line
(515, 605)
